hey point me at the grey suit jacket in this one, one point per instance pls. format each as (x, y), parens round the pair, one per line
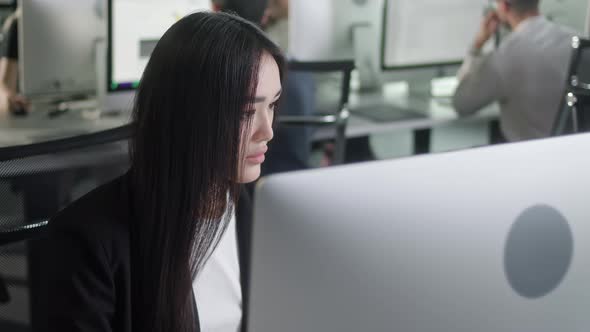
(526, 75)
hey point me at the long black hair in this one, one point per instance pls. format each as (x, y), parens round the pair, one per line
(189, 119)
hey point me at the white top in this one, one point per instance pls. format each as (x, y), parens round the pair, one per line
(217, 287)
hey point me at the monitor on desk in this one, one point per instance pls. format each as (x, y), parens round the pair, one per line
(57, 47)
(324, 30)
(134, 28)
(425, 39)
(489, 239)
(570, 13)
(427, 33)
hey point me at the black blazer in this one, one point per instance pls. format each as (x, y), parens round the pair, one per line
(90, 278)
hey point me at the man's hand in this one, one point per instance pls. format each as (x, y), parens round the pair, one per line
(13, 103)
(18, 104)
(487, 30)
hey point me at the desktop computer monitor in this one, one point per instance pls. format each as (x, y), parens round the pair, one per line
(133, 29)
(324, 30)
(57, 47)
(427, 33)
(135, 26)
(488, 239)
(570, 13)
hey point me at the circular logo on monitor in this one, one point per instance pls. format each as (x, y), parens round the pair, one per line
(538, 251)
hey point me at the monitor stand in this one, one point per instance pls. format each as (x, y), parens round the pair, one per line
(108, 102)
(366, 58)
(419, 87)
(442, 85)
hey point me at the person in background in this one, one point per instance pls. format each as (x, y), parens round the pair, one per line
(10, 100)
(276, 22)
(526, 75)
(291, 146)
(251, 10)
(165, 247)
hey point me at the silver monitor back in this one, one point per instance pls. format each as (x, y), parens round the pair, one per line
(491, 239)
(57, 46)
(332, 23)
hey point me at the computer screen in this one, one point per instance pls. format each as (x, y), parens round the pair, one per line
(134, 28)
(419, 33)
(570, 13)
(489, 239)
(57, 46)
(323, 30)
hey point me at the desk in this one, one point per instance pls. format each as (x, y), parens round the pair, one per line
(429, 113)
(39, 127)
(399, 111)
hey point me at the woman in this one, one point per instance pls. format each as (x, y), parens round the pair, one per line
(127, 254)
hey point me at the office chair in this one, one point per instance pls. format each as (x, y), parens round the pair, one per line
(573, 115)
(14, 276)
(36, 181)
(338, 116)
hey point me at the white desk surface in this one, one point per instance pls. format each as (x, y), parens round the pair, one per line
(436, 112)
(39, 127)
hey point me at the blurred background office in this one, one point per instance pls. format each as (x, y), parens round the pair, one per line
(427, 76)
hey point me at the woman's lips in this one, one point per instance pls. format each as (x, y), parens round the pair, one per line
(257, 157)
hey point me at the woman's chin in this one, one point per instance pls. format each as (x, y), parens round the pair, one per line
(250, 173)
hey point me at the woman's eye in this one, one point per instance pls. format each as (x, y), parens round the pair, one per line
(248, 114)
(274, 106)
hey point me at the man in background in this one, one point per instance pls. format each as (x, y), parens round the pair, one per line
(290, 148)
(10, 100)
(276, 22)
(526, 74)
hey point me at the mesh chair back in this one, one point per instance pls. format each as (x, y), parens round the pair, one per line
(573, 115)
(36, 181)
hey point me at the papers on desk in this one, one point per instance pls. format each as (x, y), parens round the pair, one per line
(443, 87)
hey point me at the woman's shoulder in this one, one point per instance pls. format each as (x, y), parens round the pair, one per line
(103, 213)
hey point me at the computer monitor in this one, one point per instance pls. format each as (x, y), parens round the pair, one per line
(570, 13)
(423, 33)
(134, 28)
(324, 30)
(57, 47)
(488, 239)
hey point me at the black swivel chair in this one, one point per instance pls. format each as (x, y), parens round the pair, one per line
(574, 113)
(338, 117)
(36, 181)
(13, 274)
